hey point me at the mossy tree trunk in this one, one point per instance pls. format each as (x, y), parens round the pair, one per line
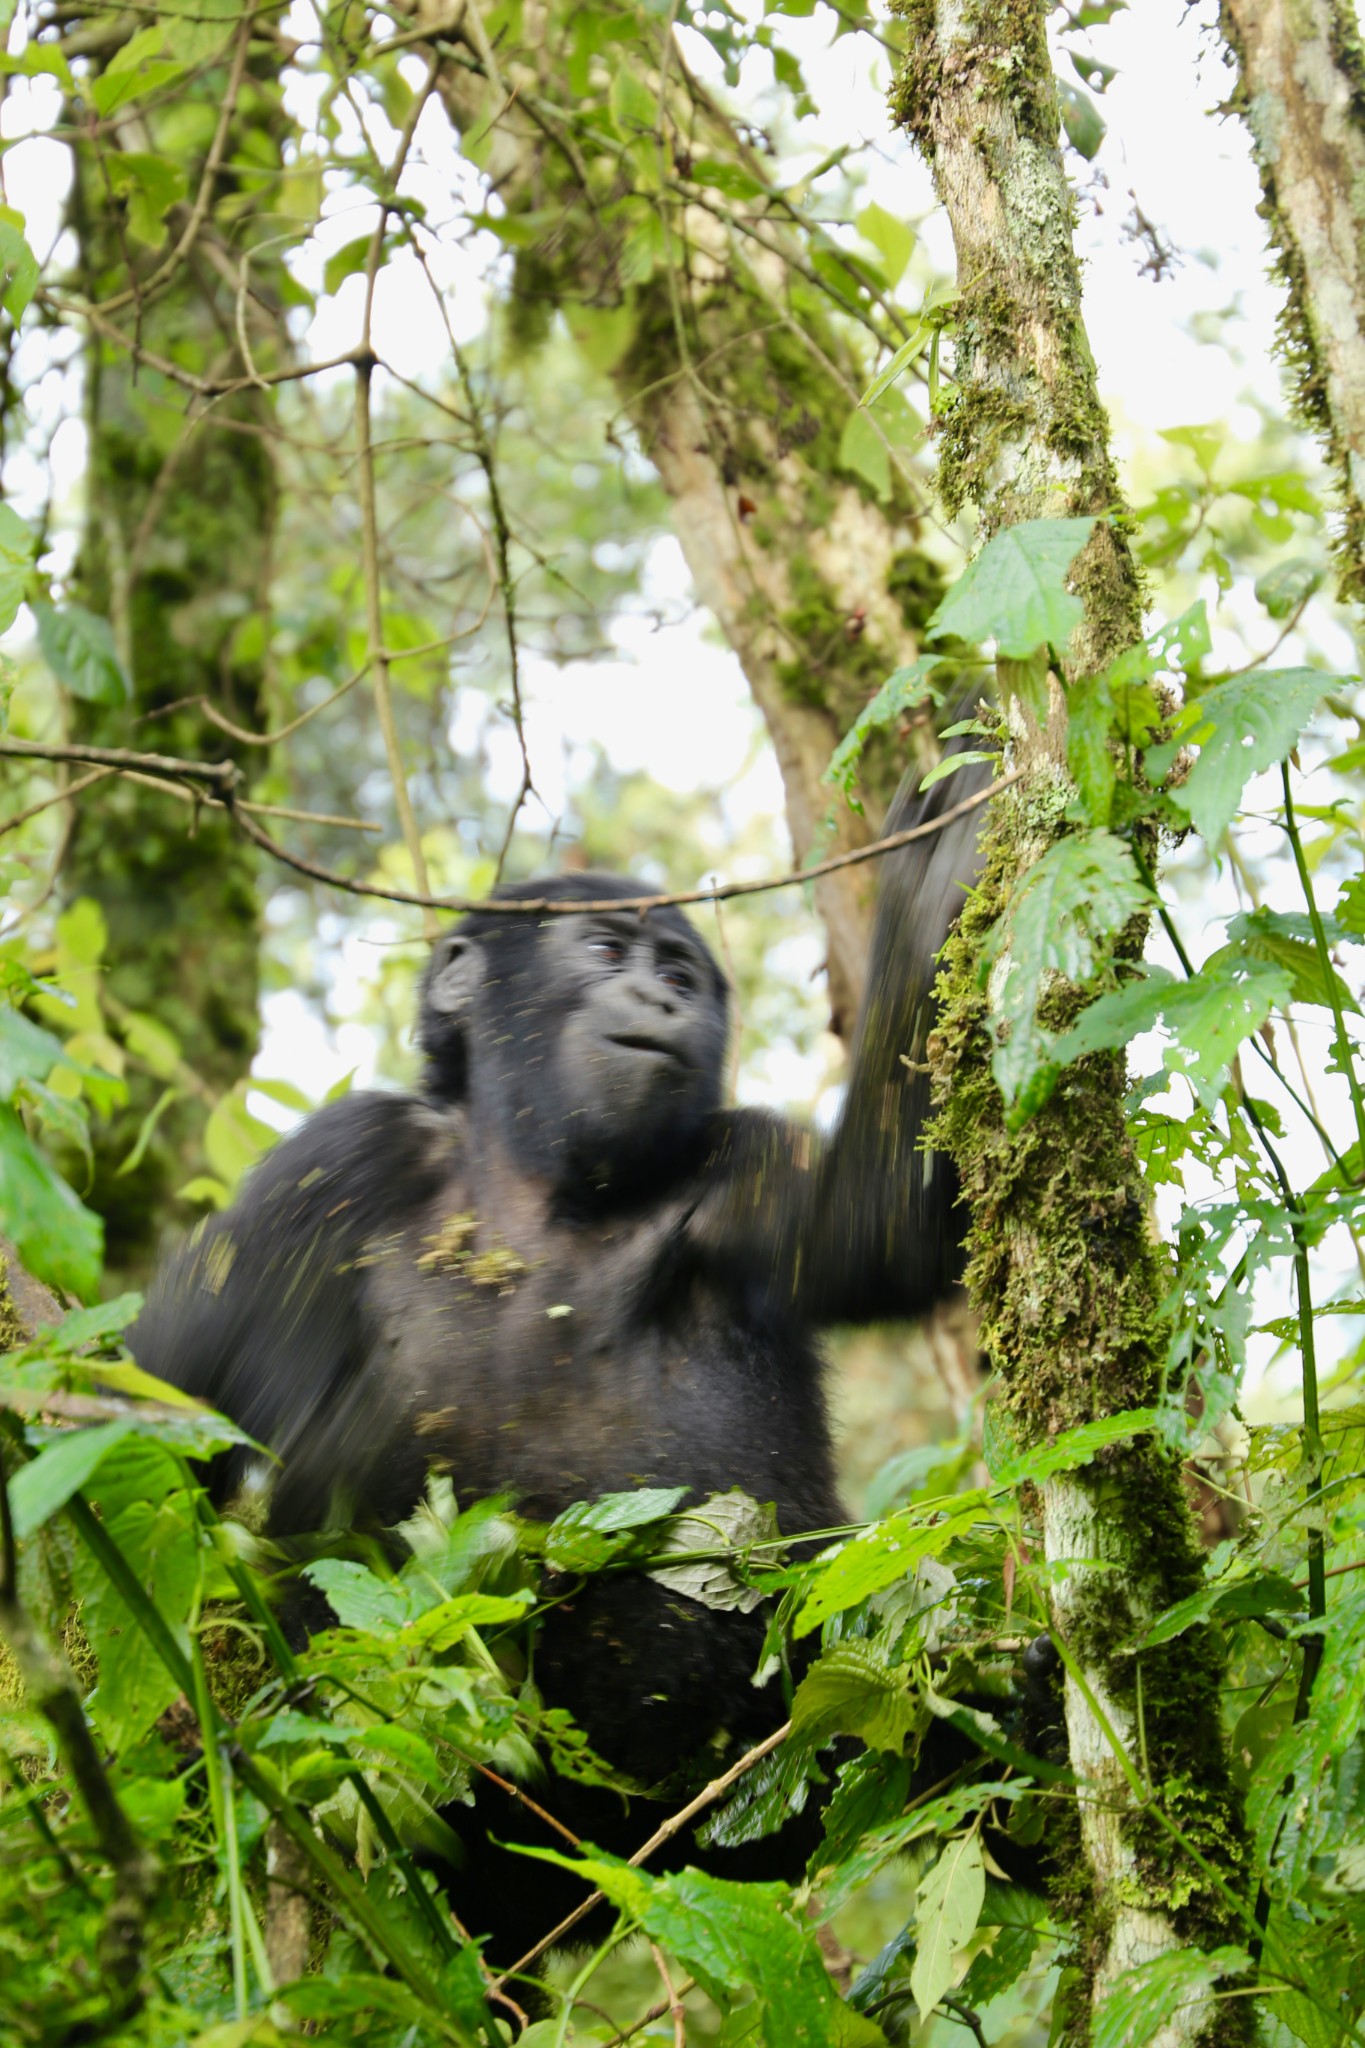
(176, 552)
(1301, 91)
(737, 382)
(1064, 1265)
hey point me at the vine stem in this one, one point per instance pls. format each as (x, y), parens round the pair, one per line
(1344, 1048)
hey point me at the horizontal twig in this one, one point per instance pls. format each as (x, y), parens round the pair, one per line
(225, 777)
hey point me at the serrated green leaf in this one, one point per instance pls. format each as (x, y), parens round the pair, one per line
(903, 689)
(1140, 2002)
(881, 1555)
(357, 1597)
(16, 563)
(948, 1905)
(1286, 940)
(43, 1486)
(1015, 591)
(1073, 1448)
(1242, 727)
(1210, 1015)
(1084, 888)
(79, 649)
(852, 1690)
(160, 1543)
(591, 1532)
(722, 1521)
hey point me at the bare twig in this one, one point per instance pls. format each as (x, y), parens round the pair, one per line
(224, 775)
(674, 2004)
(708, 1795)
(549, 906)
(58, 796)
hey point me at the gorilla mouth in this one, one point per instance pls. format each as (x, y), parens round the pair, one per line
(639, 1041)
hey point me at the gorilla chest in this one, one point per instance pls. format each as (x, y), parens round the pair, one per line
(562, 1362)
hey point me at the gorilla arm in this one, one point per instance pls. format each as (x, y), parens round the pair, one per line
(859, 1226)
(263, 1312)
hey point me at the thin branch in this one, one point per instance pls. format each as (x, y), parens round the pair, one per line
(203, 197)
(225, 775)
(59, 796)
(549, 906)
(708, 1795)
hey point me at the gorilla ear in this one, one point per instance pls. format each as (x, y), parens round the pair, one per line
(454, 976)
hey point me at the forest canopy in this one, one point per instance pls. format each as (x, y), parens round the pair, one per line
(443, 445)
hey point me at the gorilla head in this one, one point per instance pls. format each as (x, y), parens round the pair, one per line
(591, 1046)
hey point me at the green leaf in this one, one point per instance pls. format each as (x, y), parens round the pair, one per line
(1285, 939)
(16, 562)
(1241, 727)
(1210, 1015)
(345, 262)
(892, 238)
(591, 1532)
(634, 108)
(1350, 911)
(1261, 1593)
(79, 649)
(18, 265)
(852, 1690)
(1285, 587)
(160, 1542)
(1081, 118)
(1074, 1447)
(357, 1597)
(881, 1555)
(58, 1238)
(46, 1484)
(27, 1052)
(903, 689)
(765, 1799)
(1084, 888)
(862, 449)
(947, 1907)
(133, 70)
(724, 1521)
(1015, 591)
(1089, 722)
(1141, 2001)
(152, 185)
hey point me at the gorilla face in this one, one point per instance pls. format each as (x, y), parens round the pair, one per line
(638, 1057)
(593, 1044)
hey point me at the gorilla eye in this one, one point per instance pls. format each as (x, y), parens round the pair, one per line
(607, 948)
(677, 976)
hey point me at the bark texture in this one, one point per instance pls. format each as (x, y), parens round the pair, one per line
(1064, 1267)
(1301, 91)
(819, 584)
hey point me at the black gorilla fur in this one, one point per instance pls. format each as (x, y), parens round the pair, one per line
(571, 1135)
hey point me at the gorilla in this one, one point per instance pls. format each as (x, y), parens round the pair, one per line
(566, 1268)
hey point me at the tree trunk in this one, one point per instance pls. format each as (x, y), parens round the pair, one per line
(817, 581)
(176, 552)
(1301, 91)
(1063, 1262)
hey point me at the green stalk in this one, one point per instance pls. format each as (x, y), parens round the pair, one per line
(1344, 1049)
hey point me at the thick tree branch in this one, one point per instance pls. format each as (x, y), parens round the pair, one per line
(1301, 91)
